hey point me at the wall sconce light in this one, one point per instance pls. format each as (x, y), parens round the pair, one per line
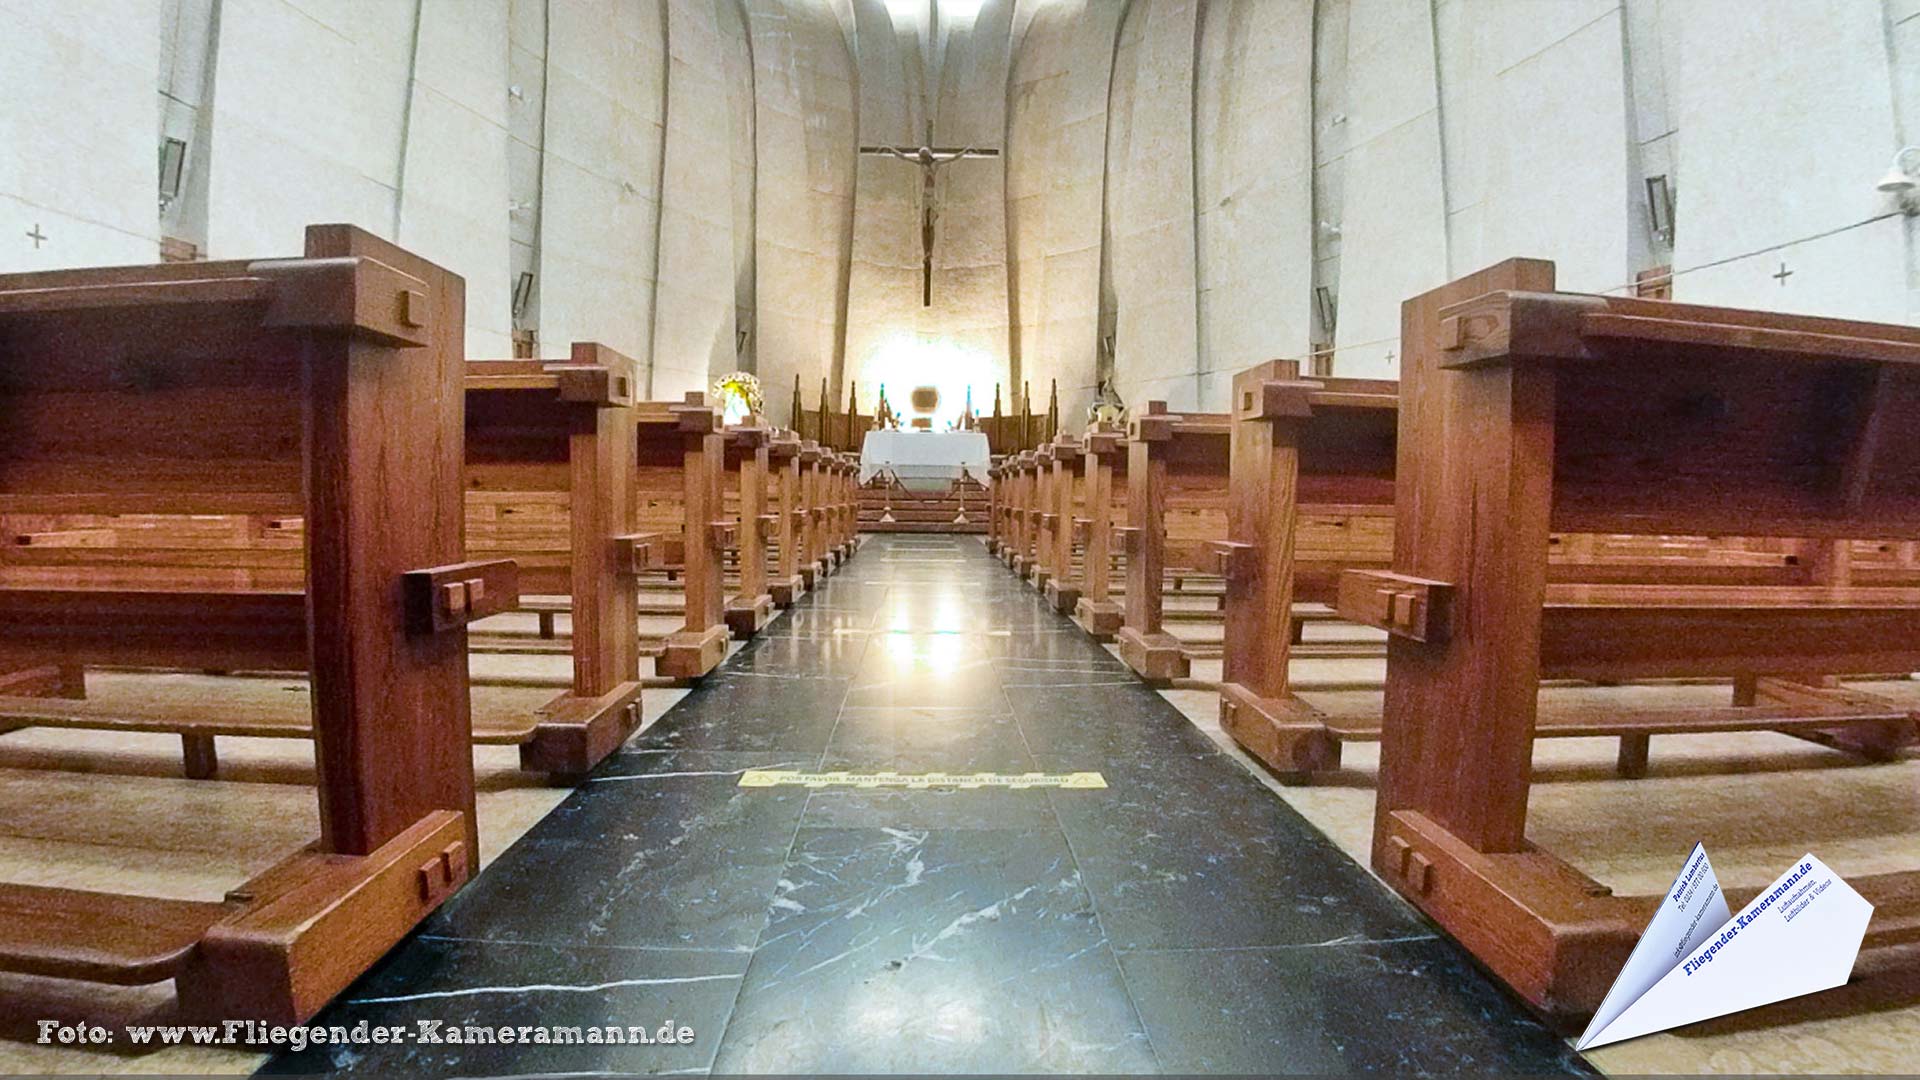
(522, 292)
(1899, 180)
(173, 166)
(1326, 309)
(1660, 207)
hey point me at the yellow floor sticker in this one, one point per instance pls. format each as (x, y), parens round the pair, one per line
(1081, 781)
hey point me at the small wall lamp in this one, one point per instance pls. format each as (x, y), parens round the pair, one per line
(1899, 179)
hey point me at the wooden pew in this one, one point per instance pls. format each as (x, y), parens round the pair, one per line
(1039, 569)
(1024, 513)
(995, 491)
(1608, 415)
(678, 475)
(326, 387)
(1311, 495)
(550, 442)
(787, 501)
(1002, 472)
(837, 492)
(1103, 466)
(845, 506)
(1061, 583)
(807, 541)
(1176, 506)
(749, 462)
(545, 485)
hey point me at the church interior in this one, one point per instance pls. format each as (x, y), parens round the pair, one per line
(631, 537)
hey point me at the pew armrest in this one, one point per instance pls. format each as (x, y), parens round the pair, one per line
(766, 525)
(637, 552)
(1082, 530)
(1126, 538)
(1225, 557)
(725, 534)
(443, 598)
(592, 384)
(1408, 607)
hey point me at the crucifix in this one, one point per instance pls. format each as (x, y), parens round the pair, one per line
(1782, 275)
(36, 235)
(929, 159)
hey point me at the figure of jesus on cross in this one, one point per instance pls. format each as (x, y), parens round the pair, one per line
(929, 159)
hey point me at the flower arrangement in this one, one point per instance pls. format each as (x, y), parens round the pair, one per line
(740, 396)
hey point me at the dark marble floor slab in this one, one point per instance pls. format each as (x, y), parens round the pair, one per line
(1180, 919)
(929, 737)
(894, 950)
(752, 712)
(1121, 721)
(489, 985)
(657, 850)
(1188, 851)
(1410, 1006)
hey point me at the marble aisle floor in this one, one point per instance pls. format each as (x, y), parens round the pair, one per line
(1183, 919)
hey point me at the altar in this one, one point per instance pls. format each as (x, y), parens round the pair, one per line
(924, 460)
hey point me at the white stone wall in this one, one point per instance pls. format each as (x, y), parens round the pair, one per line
(1150, 211)
(600, 202)
(1393, 224)
(1535, 119)
(453, 199)
(805, 133)
(325, 112)
(889, 323)
(883, 291)
(1783, 143)
(736, 44)
(77, 124)
(681, 174)
(694, 313)
(1253, 180)
(309, 103)
(1055, 178)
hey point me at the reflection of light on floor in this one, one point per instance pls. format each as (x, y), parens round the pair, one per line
(946, 615)
(931, 653)
(879, 1013)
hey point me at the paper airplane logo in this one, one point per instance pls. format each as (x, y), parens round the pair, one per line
(1698, 960)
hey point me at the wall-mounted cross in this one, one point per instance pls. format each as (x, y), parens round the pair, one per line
(1782, 275)
(36, 235)
(930, 159)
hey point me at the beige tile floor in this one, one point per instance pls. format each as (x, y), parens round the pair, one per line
(96, 810)
(1745, 795)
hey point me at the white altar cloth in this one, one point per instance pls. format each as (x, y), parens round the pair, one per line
(924, 460)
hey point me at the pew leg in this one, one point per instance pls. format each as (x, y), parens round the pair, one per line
(59, 681)
(1289, 736)
(1745, 688)
(1873, 740)
(1632, 763)
(546, 625)
(198, 756)
(1298, 634)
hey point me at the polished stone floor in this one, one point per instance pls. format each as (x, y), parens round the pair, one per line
(1182, 919)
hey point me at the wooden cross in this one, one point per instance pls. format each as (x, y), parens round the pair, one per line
(36, 235)
(1782, 275)
(930, 159)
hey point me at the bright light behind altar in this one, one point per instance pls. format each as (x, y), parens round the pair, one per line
(901, 362)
